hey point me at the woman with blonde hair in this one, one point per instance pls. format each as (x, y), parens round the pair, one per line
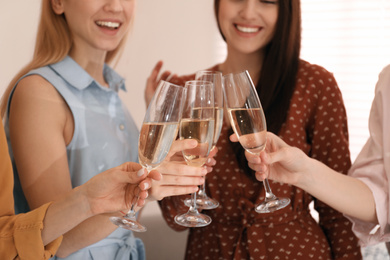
(65, 121)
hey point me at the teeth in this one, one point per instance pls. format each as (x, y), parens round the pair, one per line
(247, 29)
(112, 25)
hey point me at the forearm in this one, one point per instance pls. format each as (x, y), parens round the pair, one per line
(78, 224)
(87, 233)
(63, 215)
(343, 193)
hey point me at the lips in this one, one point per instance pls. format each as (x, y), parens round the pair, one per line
(108, 24)
(247, 29)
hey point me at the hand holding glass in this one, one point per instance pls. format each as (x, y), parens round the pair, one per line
(248, 122)
(158, 131)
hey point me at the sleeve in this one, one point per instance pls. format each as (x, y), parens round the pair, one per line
(372, 166)
(21, 236)
(329, 137)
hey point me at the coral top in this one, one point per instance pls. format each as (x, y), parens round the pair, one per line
(317, 124)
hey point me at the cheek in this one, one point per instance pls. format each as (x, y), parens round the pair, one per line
(224, 21)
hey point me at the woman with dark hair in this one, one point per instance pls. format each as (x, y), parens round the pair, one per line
(304, 106)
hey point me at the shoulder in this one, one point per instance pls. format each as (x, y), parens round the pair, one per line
(383, 84)
(314, 72)
(316, 78)
(34, 96)
(35, 86)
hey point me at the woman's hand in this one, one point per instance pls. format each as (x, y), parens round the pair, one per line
(153, 80)
(278, 161)
(116, 188)
(177, 177)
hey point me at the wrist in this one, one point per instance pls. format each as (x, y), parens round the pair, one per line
(306, 176)
(81, 198)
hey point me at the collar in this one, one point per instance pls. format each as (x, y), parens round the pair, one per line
(77, 77)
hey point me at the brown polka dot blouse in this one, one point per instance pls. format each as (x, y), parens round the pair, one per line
(317, 124)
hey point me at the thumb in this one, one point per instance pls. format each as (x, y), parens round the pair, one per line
(271, 157)
(134, 172)
(180, 145)
(233, 138)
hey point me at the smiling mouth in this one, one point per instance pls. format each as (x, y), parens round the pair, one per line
(245, 29)
(109, 25)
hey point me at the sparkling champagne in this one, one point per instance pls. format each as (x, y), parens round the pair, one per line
(154, 142)
(250, 127)
(201, 130)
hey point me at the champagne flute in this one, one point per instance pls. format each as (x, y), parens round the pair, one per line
(248, 122)
(203, 201)
(197, 123)
(158, 131)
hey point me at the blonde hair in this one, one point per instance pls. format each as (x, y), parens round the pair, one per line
(53, 43)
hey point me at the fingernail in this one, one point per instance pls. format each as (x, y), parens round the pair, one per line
(146, 185)
(140, 172)
(209, 160)
(204, 170)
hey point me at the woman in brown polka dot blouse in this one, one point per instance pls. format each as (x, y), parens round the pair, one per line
(304, 106)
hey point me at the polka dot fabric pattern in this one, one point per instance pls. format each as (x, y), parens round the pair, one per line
(317, 124)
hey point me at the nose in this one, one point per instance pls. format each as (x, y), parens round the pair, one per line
(113, 6)
(248, 10)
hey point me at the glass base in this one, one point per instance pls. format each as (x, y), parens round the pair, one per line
(202, 202)
(128, 224)
(272, 205)
(193, 219)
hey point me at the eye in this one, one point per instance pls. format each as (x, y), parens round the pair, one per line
(274, 2)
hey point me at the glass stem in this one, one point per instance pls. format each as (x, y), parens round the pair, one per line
(202, 190)
(268, 192)
(131, 213)
(193, 199)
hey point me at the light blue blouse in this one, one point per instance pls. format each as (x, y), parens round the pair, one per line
(105, 136)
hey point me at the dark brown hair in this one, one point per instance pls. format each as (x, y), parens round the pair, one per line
(280, 68)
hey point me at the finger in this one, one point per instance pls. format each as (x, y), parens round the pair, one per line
(145, 184)
(177, 180)
(252, 158)
(165, 76)
(156, 70)
(213, 152)
(261, 176)
(210, 162)
(174, 79)
(129, 167)
(270, 158)
(155, 175)
(233, 138)
(180, 145)
(209, 169)
(255, 166)
(133, 177)
(143, 195)
(181, 169)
